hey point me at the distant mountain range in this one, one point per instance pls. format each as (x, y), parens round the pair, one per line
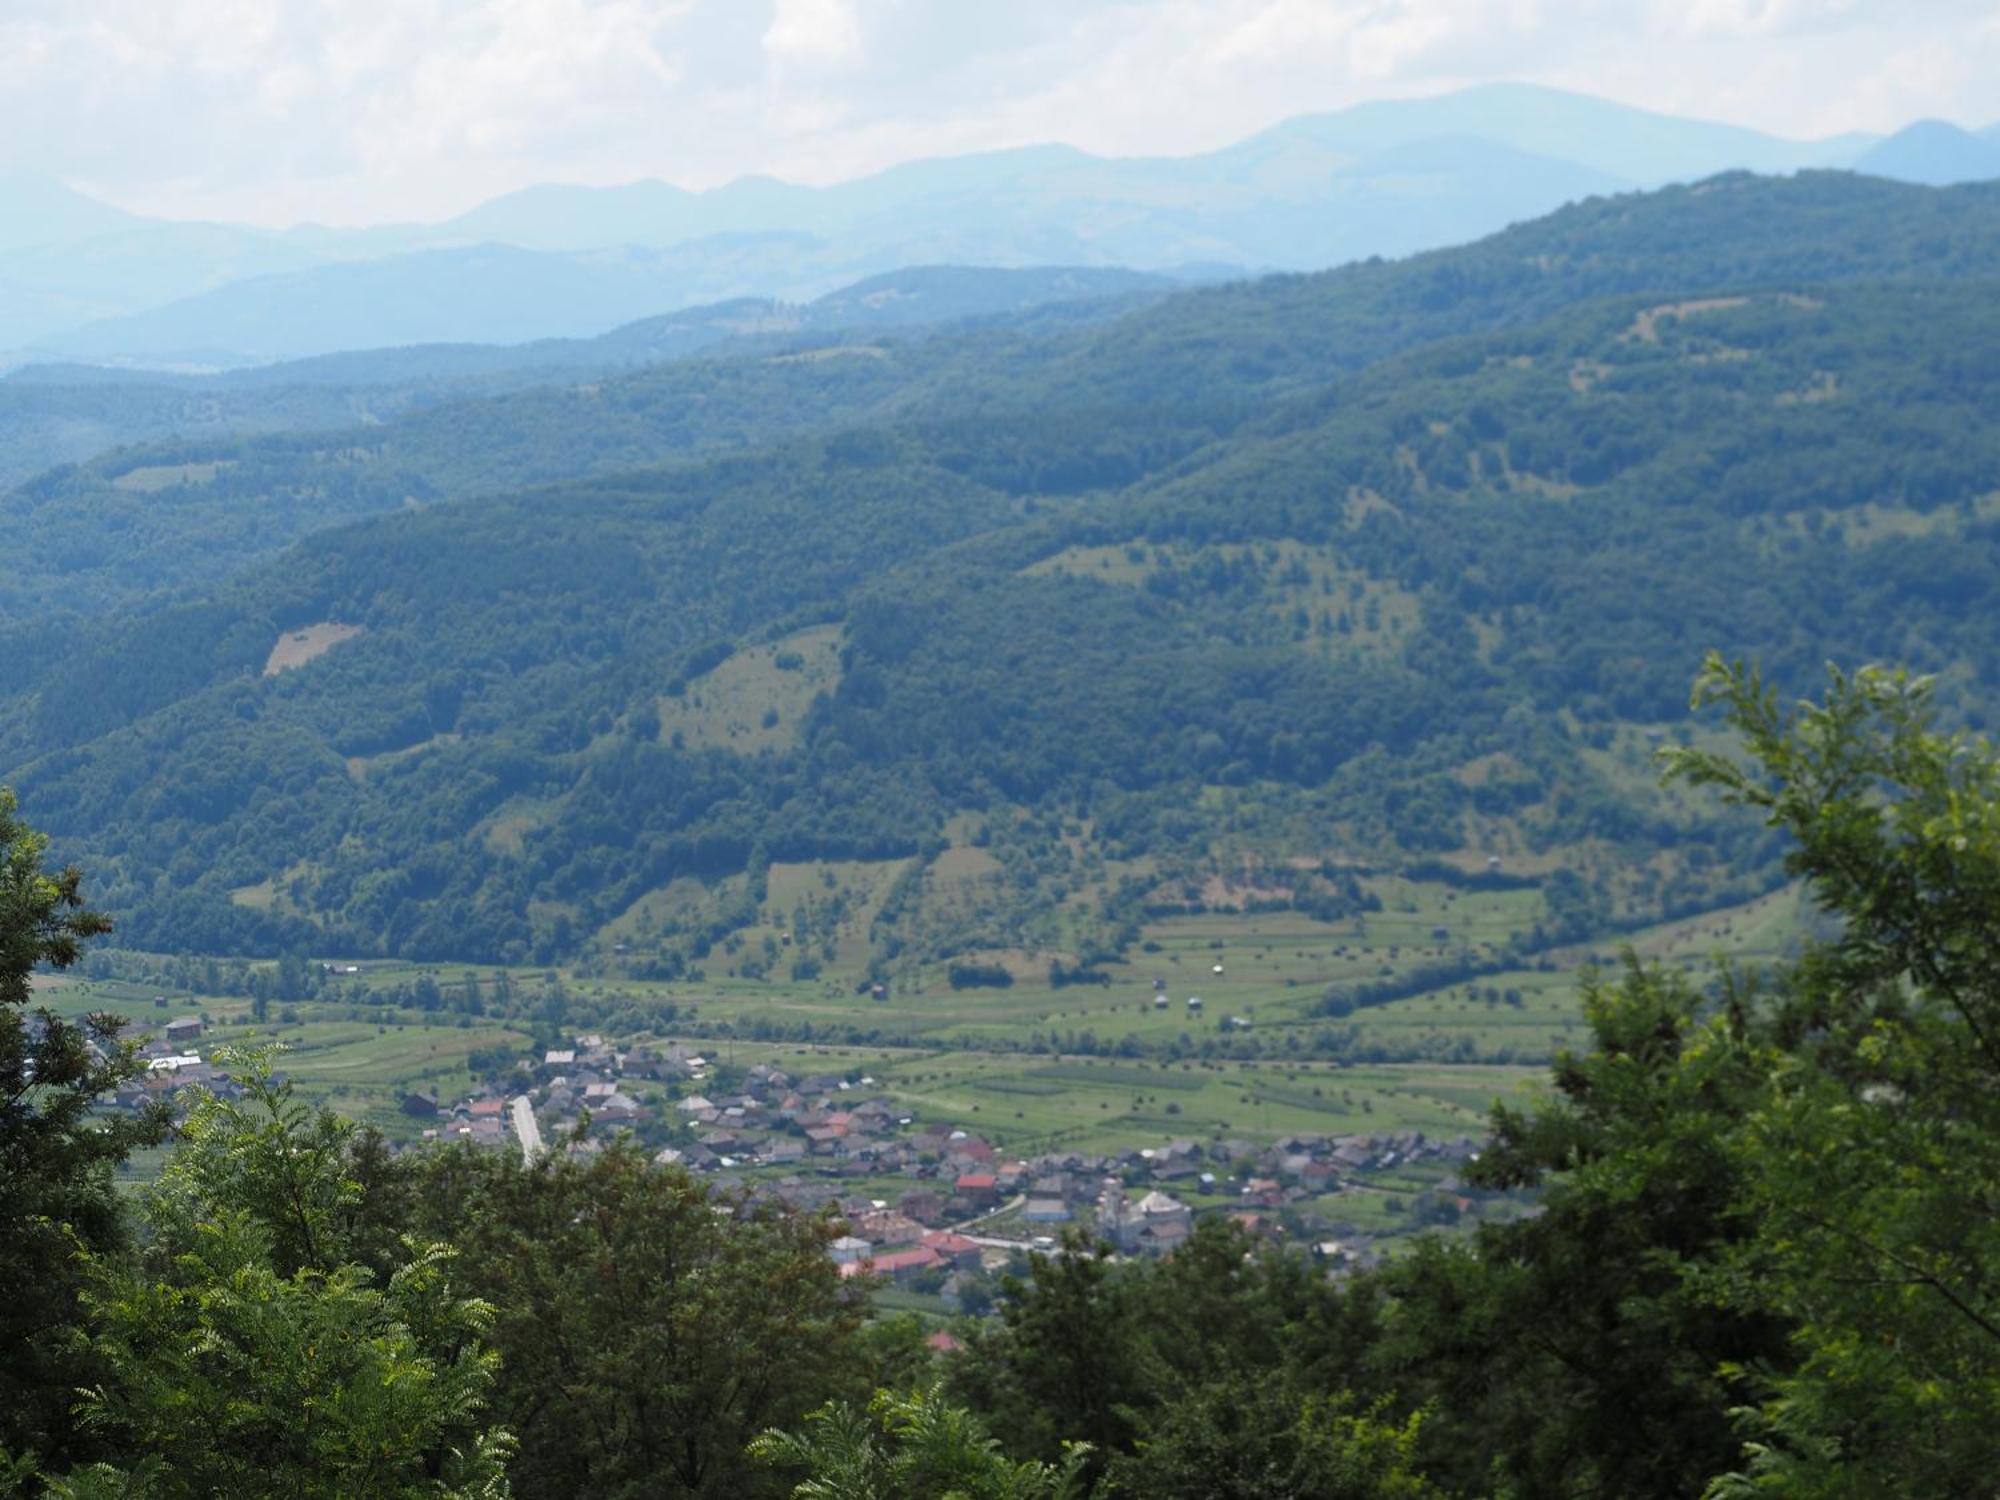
(66, 412)
(1935, 153)
(82, 280)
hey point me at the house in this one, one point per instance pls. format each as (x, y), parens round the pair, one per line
(980, 1189)
(955, 1248)
(419, 1105)
(617, 1109)
(1257, 1226)
(968, 1147)
(1046, 1211)
(183, 1029)
(849, 1248)
(559, 1057)
(487, 1108)
(884, 1226)
(898, 1265)
(643, 1062)
(1155, 1224)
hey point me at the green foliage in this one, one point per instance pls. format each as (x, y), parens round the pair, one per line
(56, 1151)
(1872, 1158)
(648, 1327)
(1208, 1372)
(911, 1447)
(1247, 1439)
(245, 1354)
(1568, 1353)
(1764, 1265)
(42, 916)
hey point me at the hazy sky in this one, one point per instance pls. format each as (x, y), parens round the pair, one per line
(356, 110)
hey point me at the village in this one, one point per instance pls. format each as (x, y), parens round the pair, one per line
(923, 1196)
(925, 1204)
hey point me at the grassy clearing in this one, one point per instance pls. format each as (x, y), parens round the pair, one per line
(361, 766)
(507, 827)
(359, 1061)
(148, 478)
(1330, 604)
(758, 698)
(297, 647)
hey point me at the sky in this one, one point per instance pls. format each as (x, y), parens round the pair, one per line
(358, 111)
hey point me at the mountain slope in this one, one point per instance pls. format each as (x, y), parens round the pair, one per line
(487, 294)
(1637, 146)
(43, 211)
(1355, 628)
(52, 414)
(1077, 407)
(1934, 152)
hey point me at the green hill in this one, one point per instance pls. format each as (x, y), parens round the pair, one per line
(1068, 661)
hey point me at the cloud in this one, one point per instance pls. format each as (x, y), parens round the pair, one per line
(349, 110)
(813, 33)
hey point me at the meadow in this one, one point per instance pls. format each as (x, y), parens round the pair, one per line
(1035, 1067)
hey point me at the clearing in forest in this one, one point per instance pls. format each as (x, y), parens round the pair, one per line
(297, 647)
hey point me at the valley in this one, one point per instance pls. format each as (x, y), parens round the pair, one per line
(1298, 808)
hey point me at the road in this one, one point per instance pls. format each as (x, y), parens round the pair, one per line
(964, 1227)
(525, 1127)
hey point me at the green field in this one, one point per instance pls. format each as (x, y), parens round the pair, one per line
(1094, 1067)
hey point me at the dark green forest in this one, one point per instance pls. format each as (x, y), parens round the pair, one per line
(1339, 544)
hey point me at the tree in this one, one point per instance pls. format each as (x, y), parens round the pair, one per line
(649, 1326)
(1063, 1361)
(911, 1447)
(1766, 1263)
(1572, 1352)
(1206, 1372)
(1243, 1438)
(57, 1147)
(1872, 1162)
(246, 1353)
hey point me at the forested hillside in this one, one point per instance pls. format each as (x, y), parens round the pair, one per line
(1183, 371)
(52, 414)
(1377, 568)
